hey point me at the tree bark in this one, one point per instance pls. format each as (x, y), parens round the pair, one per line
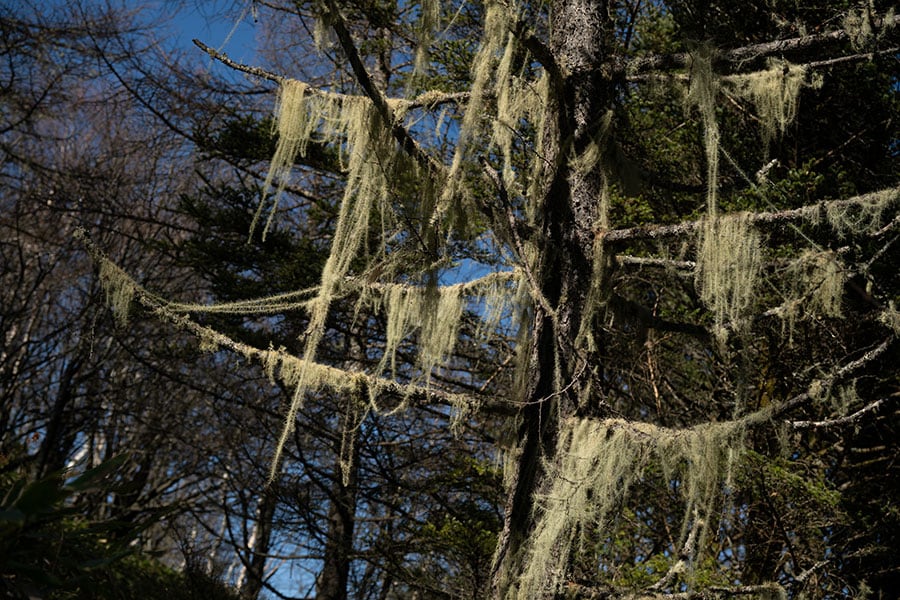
(59, 436)
(259, 550)
(332, 582)
(557, 374)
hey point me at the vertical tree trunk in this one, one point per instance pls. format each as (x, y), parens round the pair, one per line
(338, 555)
(59, 436)
(558, 370)
(255, 573)
(332, 582)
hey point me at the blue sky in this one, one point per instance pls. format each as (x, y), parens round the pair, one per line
(227, 25)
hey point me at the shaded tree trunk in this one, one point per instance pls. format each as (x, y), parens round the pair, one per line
(59, 435)
(332, 582)
(559, 370)
(256, 563)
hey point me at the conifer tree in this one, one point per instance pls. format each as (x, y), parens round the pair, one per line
(700, 288)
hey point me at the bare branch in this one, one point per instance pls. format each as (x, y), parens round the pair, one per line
(848, 420)
(658, 263)
(225, 60)
(825, 383)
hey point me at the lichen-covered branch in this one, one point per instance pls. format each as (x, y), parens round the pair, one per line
(888, 199)
(823, 384)
(123, 290)
(743, 58)
(431, 99)
(851, 419)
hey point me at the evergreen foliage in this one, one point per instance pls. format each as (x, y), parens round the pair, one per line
(639, 257)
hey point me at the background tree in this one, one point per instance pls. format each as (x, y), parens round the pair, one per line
(75, 388)
(198, 436)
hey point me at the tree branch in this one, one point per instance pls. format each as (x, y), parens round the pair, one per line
(400, 133)
(172, 313)
(848, 420)
(824, 383)
(429, 99)
(225, 60)
(577, 590)
(808, 212)
(745, 57)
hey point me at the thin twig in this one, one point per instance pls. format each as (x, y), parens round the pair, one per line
(225, 60)
(848, 420)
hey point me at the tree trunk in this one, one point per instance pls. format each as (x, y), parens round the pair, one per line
(59, 436)
(559, 371)
(259, 545)
(332, 582)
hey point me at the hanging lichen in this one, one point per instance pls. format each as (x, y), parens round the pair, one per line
(702, 94)
(300, 116)
(434, 313)
(597, 464)
(729, 260)
(442, 311)
(890, 317)
(862, 25)
(774, 93)
(538, 116)
(816, 279)
(496, 40)
(323, 31)
(372, 164)
(119, 288)
(518, 98)
(863, 216)
(599, 291)
(595, 468)
(429, 18)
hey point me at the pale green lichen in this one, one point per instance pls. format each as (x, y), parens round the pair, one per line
(864, 216)
(729, 260)
(817, 279)
(774, 93)
(597, 463)
(119, 288)
(863, 26)
(701, 93)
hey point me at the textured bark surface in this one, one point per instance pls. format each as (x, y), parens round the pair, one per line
(567, 221)
(332, 583)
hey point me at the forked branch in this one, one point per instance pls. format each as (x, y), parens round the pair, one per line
(429, 99)
(400, 133)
